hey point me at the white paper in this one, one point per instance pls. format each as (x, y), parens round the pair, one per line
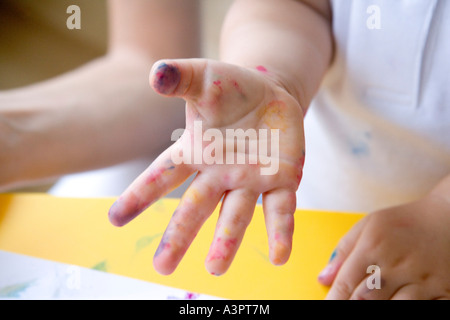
(24, 277)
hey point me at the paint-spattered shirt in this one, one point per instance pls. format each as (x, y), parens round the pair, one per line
(378, 131)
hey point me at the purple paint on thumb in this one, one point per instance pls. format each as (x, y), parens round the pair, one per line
(166, 78)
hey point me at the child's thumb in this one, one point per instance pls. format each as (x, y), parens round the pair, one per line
(181, 78)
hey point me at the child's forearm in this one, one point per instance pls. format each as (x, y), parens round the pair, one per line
(82, 120)
(156, 29)
(290, 39)
(104, 112)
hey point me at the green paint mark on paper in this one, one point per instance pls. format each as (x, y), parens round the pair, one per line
(13, 291)
(159, 206)
(262, 254)
(101, 266)
(145, 241)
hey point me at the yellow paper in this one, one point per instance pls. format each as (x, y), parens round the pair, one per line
(77, 231)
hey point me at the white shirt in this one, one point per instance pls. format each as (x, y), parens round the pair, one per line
(378, 131)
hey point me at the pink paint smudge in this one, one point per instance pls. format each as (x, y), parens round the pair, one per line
(230, 243)
(191, 296)
(156, 174)
(163, 245)
(236, 86)
(299, 177)
(261, 68)
(300, 164)
(218, 253)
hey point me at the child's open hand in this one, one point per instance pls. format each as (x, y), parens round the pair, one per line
(411, 246)
(223, 102)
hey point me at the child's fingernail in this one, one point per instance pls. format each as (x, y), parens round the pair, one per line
(326, 272)
(166, 78)
(112, 213)
(329, 269)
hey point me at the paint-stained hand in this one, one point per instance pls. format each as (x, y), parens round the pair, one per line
(243, 138)
(409, 246)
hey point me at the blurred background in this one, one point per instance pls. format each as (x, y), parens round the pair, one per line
(35, 44)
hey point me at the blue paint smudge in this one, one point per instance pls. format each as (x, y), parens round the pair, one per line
(333, 255)
(162, 245)
(360, 149)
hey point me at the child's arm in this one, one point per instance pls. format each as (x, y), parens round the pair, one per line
(409, 243)
(274, 53)
(101, 113)
(291, 39)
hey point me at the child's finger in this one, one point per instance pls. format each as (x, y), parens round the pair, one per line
(178, 78)
(375, 287)
(279, 207)
(196, 205)
(351, 273)
(235, 215)
(157, 180)
(207, 84)
(412, 291)
(340, 254)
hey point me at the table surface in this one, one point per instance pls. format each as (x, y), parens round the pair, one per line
(39, 231)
